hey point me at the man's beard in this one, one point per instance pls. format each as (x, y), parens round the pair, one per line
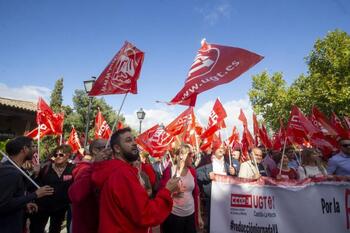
(130, 156)
(29, 156)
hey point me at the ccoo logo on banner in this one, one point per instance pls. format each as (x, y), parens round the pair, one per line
(238, 206)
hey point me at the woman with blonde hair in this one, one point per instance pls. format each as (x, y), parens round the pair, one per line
(311, 165)
(185, 215)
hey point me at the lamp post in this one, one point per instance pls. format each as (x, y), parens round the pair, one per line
(88, 86)
(140, 115)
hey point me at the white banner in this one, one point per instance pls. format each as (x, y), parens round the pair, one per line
(268, 206)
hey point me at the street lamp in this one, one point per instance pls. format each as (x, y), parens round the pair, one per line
(140, 115)
(88, 84)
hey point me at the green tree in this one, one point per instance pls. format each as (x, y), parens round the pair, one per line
(269, 98)
(56, 96)
(329, 73)
(327, 84)
(49, 142)
(79, 116)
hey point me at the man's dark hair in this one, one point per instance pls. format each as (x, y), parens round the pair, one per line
(115, 139)
(14, 146)
(94, 144)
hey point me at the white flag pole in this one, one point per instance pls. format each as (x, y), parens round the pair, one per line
(116, 121)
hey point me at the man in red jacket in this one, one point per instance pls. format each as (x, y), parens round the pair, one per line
(124, 203)
(82, 192)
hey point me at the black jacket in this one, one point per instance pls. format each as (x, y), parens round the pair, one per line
(59, 200)
(13, 199)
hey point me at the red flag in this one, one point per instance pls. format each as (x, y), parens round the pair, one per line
(256, 129)
(234, 138)
(207, 142)
(347, 122)
(181, 122)
(214, 65)
(102, 129)
(279, 138)
(73, 140)
(216, 119)
(242, 118)
(324, 122)
(51, 120)
(120, 125)
(44, 130)
(264, 137)
(155, 140)
(336, 122)
(295, 130)
(328, 126)
(245, 147)
(121, 74)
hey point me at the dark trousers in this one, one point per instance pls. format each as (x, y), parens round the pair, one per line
(39, 220)
(177, 224)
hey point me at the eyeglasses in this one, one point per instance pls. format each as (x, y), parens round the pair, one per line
(345, 145)
(58, 155)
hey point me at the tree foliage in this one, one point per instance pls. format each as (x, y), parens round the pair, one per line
(79, 117)
(76, 115)
(56, 96)
(326, 85)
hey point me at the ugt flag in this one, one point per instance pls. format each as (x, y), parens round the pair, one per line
(121, 74)
(214, 65)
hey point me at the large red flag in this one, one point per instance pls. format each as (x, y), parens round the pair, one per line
(53, 122)
(264, 137)
(155, 141)
(214, 65)
(181, 122)
(102, 129)
(216, 119)
(121, 74)
(324, 122)
(337, 124)
(295, 130)
(327, 125)
(73, 140)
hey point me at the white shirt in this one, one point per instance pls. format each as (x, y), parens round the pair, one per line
(248, 170)
(218, 166)
(183, 204)
(309, 171)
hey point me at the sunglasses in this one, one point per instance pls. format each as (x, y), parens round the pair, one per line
(58, 155)
(345, 145)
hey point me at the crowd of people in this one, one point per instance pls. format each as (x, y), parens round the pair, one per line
(115, 188)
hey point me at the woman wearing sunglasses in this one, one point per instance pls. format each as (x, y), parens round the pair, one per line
(57, 174)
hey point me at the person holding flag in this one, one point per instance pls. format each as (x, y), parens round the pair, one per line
(185, 215)
(124, 203)
(253, 169)
(14, 197)
(206, 173)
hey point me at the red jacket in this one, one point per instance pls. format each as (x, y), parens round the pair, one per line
(124, 203)
(84, 200)
(148, 169)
